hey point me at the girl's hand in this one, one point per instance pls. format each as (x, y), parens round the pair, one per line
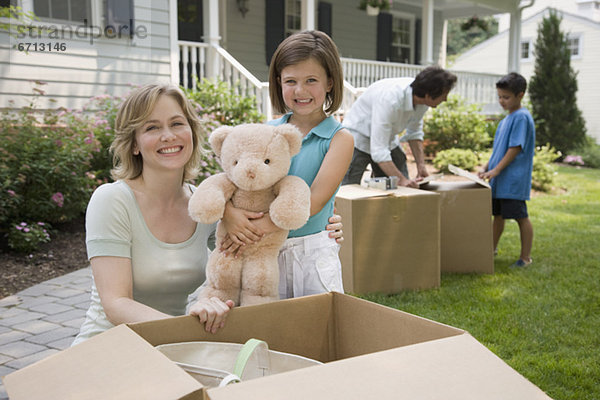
(212, 312)
(335, 227)
(239, 225)
(262, 224)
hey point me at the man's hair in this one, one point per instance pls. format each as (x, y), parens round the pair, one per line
(433, 81)
(133, 113)
(514, 82)
(300, 47)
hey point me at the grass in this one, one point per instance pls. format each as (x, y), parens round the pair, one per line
(543, 320)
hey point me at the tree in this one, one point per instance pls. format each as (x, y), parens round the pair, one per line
(464, 33)
(553, 89)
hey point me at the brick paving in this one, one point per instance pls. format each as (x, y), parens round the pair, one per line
(41, 320)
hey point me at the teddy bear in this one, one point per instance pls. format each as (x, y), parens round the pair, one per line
(255, 159)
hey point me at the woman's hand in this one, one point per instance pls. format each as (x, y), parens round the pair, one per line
(335, 227)
(212, 312)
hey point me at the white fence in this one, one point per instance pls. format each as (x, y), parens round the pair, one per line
(204, 61)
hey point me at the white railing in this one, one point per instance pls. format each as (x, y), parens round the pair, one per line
(202, 60)
(474, 87)
(205, 61)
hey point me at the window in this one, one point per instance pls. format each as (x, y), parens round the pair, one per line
(402, 38)
(64, 10)
(574, 45)
(293, 16)
(526, 50)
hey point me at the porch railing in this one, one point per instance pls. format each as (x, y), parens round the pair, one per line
(201, 60)
(205, 61)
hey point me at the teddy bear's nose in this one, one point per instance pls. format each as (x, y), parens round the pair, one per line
(250, 174)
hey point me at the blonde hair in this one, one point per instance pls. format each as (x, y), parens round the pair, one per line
(302, 46)
(132, 114)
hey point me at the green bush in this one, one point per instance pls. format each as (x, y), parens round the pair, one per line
(589, 152)
(218, 102)
(544, 168)
(25, 237)
(463, 158)
(455, 124)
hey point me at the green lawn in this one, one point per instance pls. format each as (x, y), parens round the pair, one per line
(543, 320)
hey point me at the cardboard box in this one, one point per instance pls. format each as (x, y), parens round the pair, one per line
(466, 241)
(371, 351)
(391, 239)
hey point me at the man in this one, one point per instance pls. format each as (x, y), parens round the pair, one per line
(384, 110)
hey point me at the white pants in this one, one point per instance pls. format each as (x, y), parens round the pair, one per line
(309, 265)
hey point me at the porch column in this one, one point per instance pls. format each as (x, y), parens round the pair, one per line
(211, 36)
(514, 42)
(308, 15)
(427, 33)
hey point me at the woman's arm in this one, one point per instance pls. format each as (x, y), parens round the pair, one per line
(113, 278)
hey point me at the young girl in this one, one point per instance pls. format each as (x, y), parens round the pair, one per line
(306, 82)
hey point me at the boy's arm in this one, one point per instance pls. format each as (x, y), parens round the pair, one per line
(510, 155)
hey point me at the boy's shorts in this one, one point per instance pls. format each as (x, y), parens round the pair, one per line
(509, 208)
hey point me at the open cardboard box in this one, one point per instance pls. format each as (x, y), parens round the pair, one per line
(391, 239)
(466, 243)
(370, 351)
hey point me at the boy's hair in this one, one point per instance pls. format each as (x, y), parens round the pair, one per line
(433, 81)
(514, 82)
(133, 113)
(302, 46)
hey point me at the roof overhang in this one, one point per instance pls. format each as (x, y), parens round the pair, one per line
(466, 8)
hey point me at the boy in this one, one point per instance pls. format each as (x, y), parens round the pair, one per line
(511, 164)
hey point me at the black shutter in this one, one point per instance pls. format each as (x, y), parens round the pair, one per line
(384, 37)
(189, 20)
(275, 26)
(324, 18)
(119, 13)
(418, 42)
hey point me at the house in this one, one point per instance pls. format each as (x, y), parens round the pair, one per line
(582, 26)
(91, 47)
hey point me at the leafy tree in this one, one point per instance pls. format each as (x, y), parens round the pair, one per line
(553, 89)
(464, 33)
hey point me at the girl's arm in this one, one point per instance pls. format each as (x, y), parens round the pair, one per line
(332, 171)
(113, 278)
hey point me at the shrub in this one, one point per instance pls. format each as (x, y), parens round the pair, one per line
(589, 153)
(455, 124)
(218, 101)
(25, 237)
(544, 170)
(463, 158)
(44, 167)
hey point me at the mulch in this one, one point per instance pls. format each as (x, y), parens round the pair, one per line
(63, 254)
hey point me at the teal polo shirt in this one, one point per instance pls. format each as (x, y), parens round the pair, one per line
(306, 165)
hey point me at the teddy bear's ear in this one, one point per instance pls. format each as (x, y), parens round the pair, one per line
(292, 135)
(217, 137)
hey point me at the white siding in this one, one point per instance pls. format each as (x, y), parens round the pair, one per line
(492, 56)
(88, 69)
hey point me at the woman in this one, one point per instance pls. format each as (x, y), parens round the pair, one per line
(146, 253)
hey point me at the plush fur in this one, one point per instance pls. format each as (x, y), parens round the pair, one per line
(256, 159)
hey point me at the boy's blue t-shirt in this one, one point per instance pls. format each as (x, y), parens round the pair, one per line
(514, 182)
(306, 165)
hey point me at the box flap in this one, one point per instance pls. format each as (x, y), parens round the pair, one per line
(466, 174)
(117, 364)
(453, 368)
(355, 192)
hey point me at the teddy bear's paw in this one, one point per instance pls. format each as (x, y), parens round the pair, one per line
(289, 220)
(206, 208)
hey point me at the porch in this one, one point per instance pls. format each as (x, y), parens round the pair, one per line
(203, 60)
